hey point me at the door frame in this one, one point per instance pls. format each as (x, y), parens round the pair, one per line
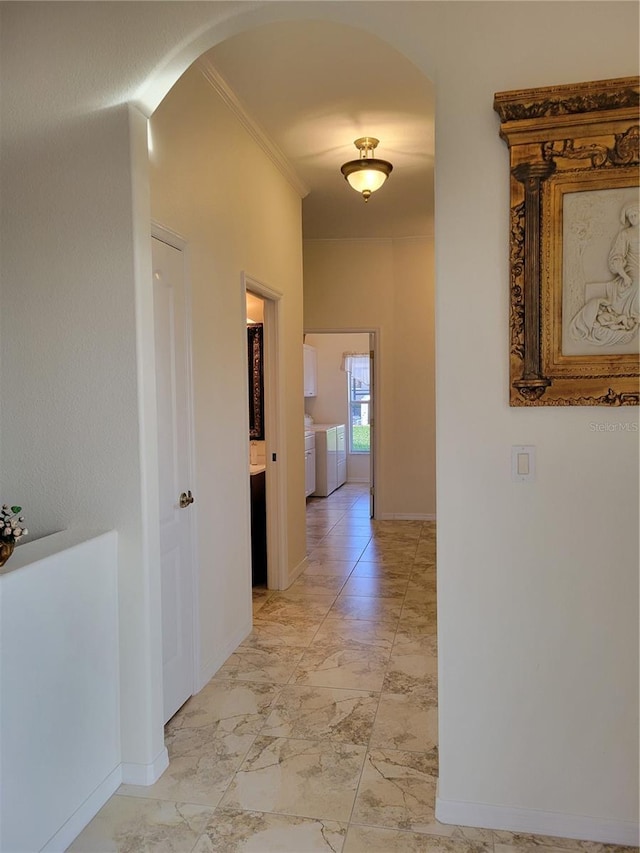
(176, 241)
(374, 344)
(274, 418)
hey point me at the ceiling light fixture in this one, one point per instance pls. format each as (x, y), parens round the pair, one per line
(367, 174)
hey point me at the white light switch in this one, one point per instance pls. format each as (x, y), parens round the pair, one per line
(523, 463)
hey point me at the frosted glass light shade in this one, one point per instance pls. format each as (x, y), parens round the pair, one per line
(366, 175)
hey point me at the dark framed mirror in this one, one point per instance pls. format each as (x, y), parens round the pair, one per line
(256, 381)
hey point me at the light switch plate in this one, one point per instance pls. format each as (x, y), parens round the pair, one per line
(523, 463)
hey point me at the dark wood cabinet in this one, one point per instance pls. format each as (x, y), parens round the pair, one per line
(258, 530)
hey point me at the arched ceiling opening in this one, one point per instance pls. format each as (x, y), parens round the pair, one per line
(316, 86)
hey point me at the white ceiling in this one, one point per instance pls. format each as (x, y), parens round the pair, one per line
(315, 87)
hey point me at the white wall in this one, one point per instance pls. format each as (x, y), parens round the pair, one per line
(331, 405)
(538, 589)
(387, 285)
(59, 685)
(71, 451)
(212, 184)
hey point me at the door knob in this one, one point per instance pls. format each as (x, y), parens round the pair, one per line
(186, 498)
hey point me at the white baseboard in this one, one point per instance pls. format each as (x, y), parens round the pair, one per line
(580, 827)
(406, 516)
(72, 827)
(146, 774)
(294, 574)
(358, 480)
(209, 669)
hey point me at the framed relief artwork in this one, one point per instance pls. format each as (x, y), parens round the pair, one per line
(574, 243)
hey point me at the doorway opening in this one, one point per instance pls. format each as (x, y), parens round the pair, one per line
(345, 395)
(266, 453)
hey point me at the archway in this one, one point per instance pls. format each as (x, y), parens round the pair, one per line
(212, 182)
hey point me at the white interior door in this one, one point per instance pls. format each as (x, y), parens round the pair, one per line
(174, 450)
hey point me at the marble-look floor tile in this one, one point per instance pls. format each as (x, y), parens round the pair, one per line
(399, 525)
(513, 848)
(316, 584)
(274, 632)
(406, 721)
(201, 765)
(232, 707)
(395, 538)
(360, 507)
(337, 568)
(319, 508)
(424, 568)
(336, 552)
(419, 605)
(324, 713)
(420, 593)
(287, 607)
(333, 665)
(414, 657)
(318, 524)
(395, 561)
(385, 587)
(429, 531)
(130, 825)
(355, 632)
(519, 842)
(419, 627)
(430, 641)
(420, 582)
(315, 523)
(308, 778)
(391, 551)
(267, 663)
(369, 839)
(404, 684)
(354, 525)
(381, 570)
(397, 791)
(316, 536)
(425, 556)
(341, 538)
(258, 598)
(419, 617)
(399, 529)
(362, 607)
(257, 739)
(234, 831)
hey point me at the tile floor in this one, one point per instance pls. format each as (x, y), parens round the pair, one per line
(320, 732)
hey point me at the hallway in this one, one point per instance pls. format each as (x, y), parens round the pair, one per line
(320, 732)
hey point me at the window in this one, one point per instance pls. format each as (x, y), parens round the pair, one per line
(357, 368)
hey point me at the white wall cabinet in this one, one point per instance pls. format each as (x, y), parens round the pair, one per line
(310, 361)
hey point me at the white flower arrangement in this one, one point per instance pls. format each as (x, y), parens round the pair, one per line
(11, 529)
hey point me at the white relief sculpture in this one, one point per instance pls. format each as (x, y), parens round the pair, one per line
(611, 313)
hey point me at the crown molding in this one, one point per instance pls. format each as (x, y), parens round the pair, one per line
(253, 128)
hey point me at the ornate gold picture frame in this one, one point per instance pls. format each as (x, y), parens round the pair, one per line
(574, 308)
